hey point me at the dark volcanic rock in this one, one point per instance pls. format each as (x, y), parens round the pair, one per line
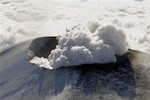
(127, 79)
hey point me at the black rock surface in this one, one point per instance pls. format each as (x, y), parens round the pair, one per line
(127, 79)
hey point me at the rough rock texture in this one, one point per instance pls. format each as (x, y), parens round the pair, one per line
(127, 79)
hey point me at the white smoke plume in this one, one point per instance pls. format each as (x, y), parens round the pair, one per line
(80, 46)
(24, 19)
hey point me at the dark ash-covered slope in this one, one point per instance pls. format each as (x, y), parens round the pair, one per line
(127, 79)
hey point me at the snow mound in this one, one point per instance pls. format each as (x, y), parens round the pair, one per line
(80, 46)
